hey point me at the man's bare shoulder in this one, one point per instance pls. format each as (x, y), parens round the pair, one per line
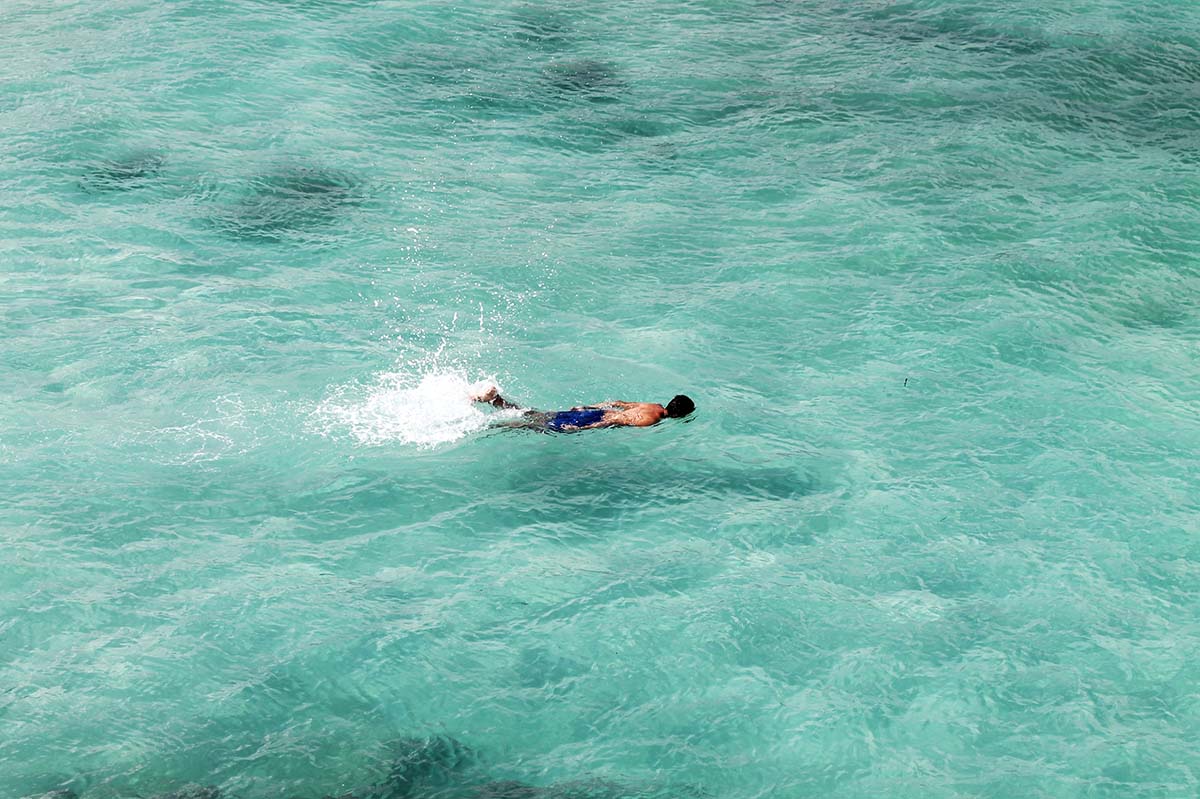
(640, 414)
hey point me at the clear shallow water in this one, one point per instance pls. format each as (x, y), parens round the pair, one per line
(927, 269)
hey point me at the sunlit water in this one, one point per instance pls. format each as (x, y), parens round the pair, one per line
(928, 270)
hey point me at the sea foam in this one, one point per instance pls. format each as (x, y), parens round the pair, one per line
(403, 407)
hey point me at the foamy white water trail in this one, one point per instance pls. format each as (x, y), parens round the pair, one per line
(404, 407)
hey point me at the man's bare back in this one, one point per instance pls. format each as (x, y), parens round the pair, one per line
(614, 413)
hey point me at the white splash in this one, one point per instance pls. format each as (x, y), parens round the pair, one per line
(398, 408)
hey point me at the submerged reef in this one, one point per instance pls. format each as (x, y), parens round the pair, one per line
(126, 172)
(542, 28)
(420, 767)
(192, 792)
(596, 81)
(425, 63)
(507, 789)
(433, 767)
(290, 199)
(421, 764)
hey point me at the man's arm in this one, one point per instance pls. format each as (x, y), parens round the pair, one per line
(501, 402)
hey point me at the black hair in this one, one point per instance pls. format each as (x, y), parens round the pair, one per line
(680, 406)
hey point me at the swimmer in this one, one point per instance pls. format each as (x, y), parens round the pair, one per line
(585, 417)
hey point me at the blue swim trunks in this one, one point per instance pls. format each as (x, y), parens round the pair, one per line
(576, 419)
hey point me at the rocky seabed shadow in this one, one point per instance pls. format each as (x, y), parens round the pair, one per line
(437, 767)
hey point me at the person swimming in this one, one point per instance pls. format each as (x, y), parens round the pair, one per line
(614, 413)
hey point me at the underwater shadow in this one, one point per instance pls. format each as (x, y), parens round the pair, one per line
(289, 200)
(951, 30)
(673, 485)
(541, 28)
(130, 171)
(585, 79)
(433, 767)
(1139, 90)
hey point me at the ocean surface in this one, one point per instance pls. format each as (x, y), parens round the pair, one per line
(928, 269)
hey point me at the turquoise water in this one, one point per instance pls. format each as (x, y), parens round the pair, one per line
(928, 270)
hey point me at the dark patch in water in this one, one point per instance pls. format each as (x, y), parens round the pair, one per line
(1140, 90)
(1155, 314)
(540, 667)
(591, 129)
(302, 6)
(422, 764)
(507, 789)
(128, 172)
(1145, 95)
(590, 789)
(950, 30)
(437, 79)
(579, 789)
(425, 63)
(541, 28)
(1136, 93)
(193, 792)
(1130, 90)
(764, 482)
(600, 494)
(641, 127)
(596, 81)
(435, 767)
(292, 199)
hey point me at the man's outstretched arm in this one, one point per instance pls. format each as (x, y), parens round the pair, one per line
(501, 402)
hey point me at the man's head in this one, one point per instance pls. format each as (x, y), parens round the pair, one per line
(680, 407)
